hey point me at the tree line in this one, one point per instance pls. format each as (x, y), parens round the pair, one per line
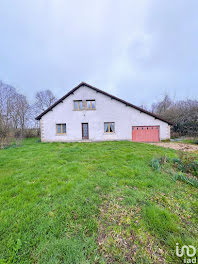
(17, 115)
(183, 114)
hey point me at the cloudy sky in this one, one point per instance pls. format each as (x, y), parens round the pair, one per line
(135, 49)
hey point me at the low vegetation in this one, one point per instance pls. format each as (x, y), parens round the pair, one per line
(183, 168)
(190, 141)
(94, 203)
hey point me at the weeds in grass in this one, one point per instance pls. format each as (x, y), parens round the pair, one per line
(181, 177)
(155, 164)
(120, 238)
(186, 167)
(186, 163)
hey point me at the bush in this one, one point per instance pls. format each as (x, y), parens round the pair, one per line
(30, 133)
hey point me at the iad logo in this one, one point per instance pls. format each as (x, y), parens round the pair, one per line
(190, 253)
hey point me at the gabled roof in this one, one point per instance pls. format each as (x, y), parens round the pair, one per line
(107, 94)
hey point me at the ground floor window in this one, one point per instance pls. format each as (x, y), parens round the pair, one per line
(60, 129)
(109, 127)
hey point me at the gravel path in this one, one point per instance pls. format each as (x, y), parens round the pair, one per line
(178, 146)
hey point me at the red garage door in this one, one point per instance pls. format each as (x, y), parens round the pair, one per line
(145, 133)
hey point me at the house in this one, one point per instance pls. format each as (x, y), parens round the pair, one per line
(87, 113)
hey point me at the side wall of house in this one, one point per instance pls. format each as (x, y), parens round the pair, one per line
(107, 110)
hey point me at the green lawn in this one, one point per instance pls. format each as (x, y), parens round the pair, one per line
(92, 203)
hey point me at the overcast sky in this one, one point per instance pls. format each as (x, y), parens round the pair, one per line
(134, 49)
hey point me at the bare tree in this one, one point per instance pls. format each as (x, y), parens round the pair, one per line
(183, 114)
(14, 113)
(23, 112)
(144, 107)
(162, 106)
(44, 99)
(7, 93)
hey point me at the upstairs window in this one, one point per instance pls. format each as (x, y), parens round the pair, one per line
(109, 127)
(91, 104)
(78, 105)
(60, 129)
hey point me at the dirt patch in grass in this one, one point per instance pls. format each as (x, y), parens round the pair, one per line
(120, 238)
(177, 146)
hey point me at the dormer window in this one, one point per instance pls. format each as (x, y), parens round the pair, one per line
(91, 104)
(78, 105)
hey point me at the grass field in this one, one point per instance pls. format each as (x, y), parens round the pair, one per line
(92, 203)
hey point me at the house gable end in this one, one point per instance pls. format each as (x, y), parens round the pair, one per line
(104, 93)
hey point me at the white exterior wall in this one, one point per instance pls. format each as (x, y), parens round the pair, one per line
(107, 110)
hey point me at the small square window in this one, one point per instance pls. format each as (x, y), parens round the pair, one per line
(78, 105)
(109, 127)
(60, 129)
(91, 104)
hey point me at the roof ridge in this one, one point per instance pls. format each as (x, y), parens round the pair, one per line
(105, 93)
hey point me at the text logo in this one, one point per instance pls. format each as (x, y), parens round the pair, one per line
(190, 252)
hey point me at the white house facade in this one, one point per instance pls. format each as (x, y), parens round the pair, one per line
(87, 113)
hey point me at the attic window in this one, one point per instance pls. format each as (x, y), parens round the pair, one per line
(91, 104)
(78, 105)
